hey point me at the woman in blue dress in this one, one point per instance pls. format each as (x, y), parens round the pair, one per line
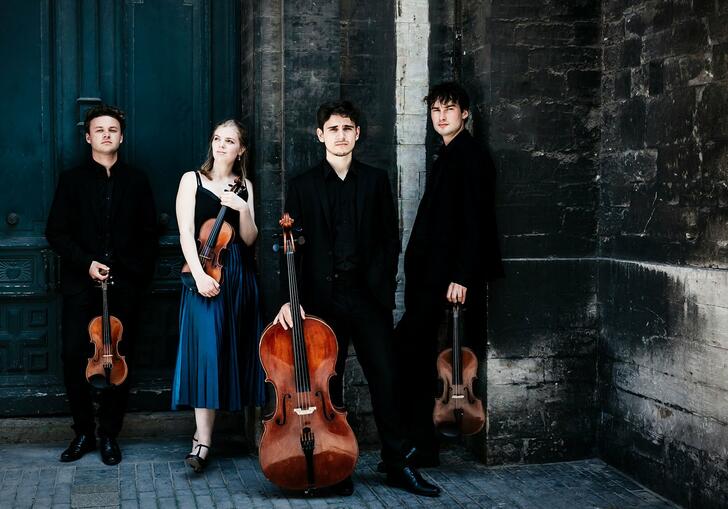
(217, 361)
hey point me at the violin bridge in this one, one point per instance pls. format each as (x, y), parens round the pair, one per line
(458, 396)
(304, 411)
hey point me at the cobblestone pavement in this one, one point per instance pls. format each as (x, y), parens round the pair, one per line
(153, 474)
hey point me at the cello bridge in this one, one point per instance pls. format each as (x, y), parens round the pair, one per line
(304, 411)
(458, 396)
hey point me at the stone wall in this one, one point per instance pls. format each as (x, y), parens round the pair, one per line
(662, 229)
(532, 68)
(606, 122)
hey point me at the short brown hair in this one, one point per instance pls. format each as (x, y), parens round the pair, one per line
(104, 110)
(448, 91)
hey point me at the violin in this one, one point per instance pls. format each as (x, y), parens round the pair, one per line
(307, 443)
(213, 239)
(107, 367)
(457, 412)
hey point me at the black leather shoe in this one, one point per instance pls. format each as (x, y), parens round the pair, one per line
(344, 488)
(110, 452)
(197, 462)
(80, 445)
(410, 479)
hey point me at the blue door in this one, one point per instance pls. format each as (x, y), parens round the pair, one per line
(173, 65)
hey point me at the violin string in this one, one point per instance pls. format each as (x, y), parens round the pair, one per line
(104, 325)
(456, 351)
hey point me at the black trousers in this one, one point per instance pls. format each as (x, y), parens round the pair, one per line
(417, 348)
(355, 316)
(78, 310)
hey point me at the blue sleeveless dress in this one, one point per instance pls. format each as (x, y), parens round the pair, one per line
(217, 362)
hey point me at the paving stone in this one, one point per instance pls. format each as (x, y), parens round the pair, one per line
(42, 502)
(95, 499)
(237, 482)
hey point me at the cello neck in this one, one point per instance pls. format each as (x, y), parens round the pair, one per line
(303, 382)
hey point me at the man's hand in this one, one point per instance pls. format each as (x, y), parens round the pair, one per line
(456, 293)
(284, 316)
(98, 271)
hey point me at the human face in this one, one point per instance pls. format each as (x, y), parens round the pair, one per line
(104, 135)
(226, 146)
(339, 135)
(448, 119)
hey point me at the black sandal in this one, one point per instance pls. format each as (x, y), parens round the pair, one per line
(197, 462)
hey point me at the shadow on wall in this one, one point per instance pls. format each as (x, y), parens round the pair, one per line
(663, 359)
(541, 367)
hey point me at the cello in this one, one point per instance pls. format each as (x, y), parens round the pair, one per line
(214, 237)
(457, 412)
(307, 443)
(107, 367)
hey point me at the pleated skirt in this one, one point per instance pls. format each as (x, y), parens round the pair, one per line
(217, 362)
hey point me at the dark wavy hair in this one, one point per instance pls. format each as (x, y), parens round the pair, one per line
(448, 91)
(241, 167)
(341, 107)
(104, 110)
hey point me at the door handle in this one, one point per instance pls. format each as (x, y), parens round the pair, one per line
(84, 103)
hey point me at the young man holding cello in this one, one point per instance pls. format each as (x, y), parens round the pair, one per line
(347, 276)
(452, 251)
(102, 224)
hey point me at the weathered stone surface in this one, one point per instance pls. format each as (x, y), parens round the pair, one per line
(662, 365)
(607, 125)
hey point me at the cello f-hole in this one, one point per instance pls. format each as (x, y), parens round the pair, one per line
(282, 420)
(329, 415)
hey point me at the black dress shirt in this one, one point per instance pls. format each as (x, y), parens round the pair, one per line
(102, 197)
(108, 219)
(341, 195)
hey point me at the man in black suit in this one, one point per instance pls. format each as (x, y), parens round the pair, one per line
(452, 252)
(347, 277)
(102, 224)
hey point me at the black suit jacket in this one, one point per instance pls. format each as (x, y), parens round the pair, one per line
(377, 236)
(454, 237)
(74, 228)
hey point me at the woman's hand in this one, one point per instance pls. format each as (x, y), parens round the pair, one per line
(206, 285)
(233, 201)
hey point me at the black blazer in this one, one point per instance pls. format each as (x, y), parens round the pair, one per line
(377, 232)
(454, 237)
(74, 228)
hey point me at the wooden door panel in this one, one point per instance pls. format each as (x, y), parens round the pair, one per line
(155, 60)
(25, 95)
